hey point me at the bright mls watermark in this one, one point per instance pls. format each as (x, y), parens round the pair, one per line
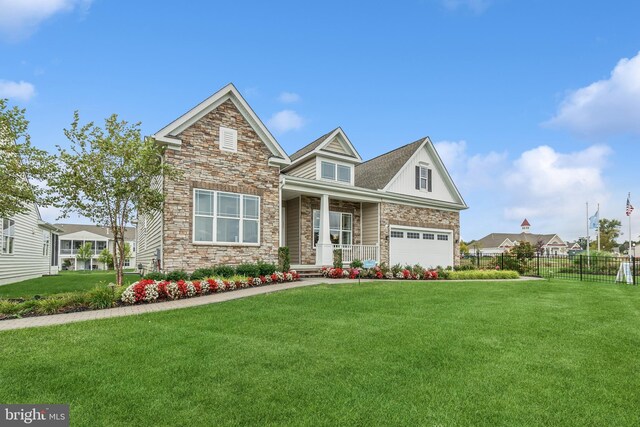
(34, 415)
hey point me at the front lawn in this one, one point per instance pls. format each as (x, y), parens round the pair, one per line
(410, 353)
(66, 281)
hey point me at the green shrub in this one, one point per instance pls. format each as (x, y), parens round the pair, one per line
(384, 268)
(50, 305)
(356, 263)
(418, 269)
(249, 270)
(284, 261)
(337, 258)
(176, 275)
(266, 269)
(10, 308)
(101, 297)
(482, 274)
(202, 273)
(224, 271)
(396, 269)
(155, 275)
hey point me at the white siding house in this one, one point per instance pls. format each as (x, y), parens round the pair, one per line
(26, 248)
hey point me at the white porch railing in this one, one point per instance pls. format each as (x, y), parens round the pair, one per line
(361, 252)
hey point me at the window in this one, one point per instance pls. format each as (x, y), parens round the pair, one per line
(335, 172)
(65, 247)
(423, 178)
(127, 262)
(226, 217)
(46, 239)
(228, 139)
(428, 236)
(397, 234)
(8, 235)
(411, 235)
(340, 228)
(100, 246)
(328, 170)
(443, 237)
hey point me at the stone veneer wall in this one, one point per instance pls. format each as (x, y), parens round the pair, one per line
(204, 165)
(391, 213)
(308, 253)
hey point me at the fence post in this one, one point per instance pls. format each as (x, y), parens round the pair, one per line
(538, 265)
(502, 261)
(581, 268)
(633, 269)
(478, 259)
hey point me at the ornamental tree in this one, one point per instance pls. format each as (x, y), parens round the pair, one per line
(106, 258)
(21, 164)
(108, 176)
(85, 252)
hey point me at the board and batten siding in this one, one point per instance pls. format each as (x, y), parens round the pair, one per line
(293, 229)
(405, 182)
(370, 223)
(306, 170)
(336, 147)
(27, 260)
(150, 234)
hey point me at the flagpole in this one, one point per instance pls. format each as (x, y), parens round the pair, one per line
(598, 229)
(629, 216)
(588, 259)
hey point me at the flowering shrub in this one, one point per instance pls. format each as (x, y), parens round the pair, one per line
(148, 290)
(378, 273)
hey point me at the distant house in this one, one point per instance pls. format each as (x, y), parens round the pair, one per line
(25, 249)
(73, 236)
(497, 243)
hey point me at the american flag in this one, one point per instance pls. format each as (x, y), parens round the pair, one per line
(629, 206)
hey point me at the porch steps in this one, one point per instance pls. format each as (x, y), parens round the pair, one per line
(307, 271)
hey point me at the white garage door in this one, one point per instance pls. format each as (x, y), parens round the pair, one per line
(429, 248)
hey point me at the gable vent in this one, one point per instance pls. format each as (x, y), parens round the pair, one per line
(228, 139)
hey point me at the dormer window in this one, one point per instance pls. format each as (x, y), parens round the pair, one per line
(228, 139)
(423, 178)
(334, 172)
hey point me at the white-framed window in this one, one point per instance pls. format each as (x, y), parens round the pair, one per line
(443, 237)
(428, 236)
(221, 217)
(397, 234)
(8, 235)
(424, 180)
(228, 139)
(127, 262)
(46, 241)
(412, 235)
(340, 227)
(335, 172)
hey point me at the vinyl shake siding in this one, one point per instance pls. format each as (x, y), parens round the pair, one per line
(150, 233)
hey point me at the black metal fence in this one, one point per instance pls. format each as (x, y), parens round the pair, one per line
(608, 269)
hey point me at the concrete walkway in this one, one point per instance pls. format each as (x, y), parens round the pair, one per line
(59, 319)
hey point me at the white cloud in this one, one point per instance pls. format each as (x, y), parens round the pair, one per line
(606, 107)
(471, 171)
(286, 120)
(21, 18)
(289, 97)
(551, 188)
(477, 6)
(20, 91)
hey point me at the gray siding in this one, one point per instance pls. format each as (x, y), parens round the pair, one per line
(369, 223)
(27, 260)
(293, 229)
(305, 170)
(150, 234)
(335, 147)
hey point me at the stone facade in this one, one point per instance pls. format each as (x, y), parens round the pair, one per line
(308, 204)
(204, 165)
(392, 213)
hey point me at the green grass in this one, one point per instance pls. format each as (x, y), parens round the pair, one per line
(390, 353)
(66, 281)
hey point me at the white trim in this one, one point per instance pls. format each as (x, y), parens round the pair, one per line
(234, 139)
(313, 243)
(422, 229)
(320, 159)
(169, 133)
(215, 218)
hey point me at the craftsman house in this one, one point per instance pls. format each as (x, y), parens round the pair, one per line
(241, 196)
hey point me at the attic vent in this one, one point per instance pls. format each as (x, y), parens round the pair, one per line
(228, 139)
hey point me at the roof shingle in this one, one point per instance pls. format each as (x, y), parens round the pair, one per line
(376, 173)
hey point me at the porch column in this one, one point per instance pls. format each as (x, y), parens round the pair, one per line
(324, 248)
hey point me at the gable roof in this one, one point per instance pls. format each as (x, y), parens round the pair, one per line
(525, 223)
(129, 232)
(320, 143)
(169, 134)
(376, 173)
(494, 240)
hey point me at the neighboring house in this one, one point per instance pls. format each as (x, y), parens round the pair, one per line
(26, 247)
(241, 196)
(73, 236)
(497, 243)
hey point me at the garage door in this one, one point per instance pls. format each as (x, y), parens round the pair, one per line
(429, 248)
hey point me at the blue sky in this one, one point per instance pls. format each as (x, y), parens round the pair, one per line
(534, 106)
